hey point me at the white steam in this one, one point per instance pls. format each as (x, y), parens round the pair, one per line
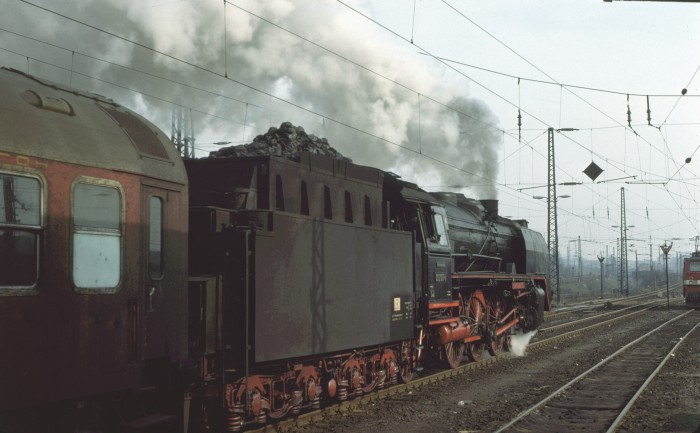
(519, 342)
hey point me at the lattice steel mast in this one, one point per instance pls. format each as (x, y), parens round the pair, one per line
(624, 280)
(182, 134)
(552, 235)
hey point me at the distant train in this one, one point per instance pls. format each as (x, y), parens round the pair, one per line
(691, 279)
(138, 289)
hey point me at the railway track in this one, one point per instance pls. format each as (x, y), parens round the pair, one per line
(559, 325)
(553, 336)
(596, 303)
(598, 399)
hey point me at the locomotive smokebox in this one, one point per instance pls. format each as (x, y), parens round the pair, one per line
(491, 207)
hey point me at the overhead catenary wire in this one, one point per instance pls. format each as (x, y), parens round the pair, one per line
(450, 67)
(547, 75)
(457, 11)
(566, 85)
(305, 39)
(678, 98)
(278, 98)
(344, 124)
(292, 103)
(470, 78)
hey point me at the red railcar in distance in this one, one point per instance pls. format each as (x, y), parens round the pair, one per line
(691, 279)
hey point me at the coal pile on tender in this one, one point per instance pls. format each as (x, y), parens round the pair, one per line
(286, 141)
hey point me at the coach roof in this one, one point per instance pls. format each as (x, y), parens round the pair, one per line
(50, 121)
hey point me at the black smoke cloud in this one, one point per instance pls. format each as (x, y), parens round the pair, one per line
(281, 65)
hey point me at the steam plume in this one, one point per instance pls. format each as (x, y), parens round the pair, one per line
(281, 65)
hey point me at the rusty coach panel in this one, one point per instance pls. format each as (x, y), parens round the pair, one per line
(103, 258)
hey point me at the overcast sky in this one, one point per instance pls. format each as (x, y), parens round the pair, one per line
(428, 89)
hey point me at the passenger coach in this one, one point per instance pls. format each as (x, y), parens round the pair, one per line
(91, 198)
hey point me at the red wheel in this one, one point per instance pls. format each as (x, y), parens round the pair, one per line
(477, 310)
(475, 350)
(356, 379)
(310, 389)
(406, 373)
(331, 387)
(406, 363)
(453, 353)
(496, 343)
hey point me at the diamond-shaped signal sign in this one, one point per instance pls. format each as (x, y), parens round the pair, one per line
(593, 171)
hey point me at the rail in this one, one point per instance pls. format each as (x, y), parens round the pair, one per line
(597, 316)
(595, 302)
(350, 405)
(608, 400)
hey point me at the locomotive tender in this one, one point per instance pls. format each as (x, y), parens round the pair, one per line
(287, 285)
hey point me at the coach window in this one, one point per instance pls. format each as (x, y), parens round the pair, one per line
(348, 207)
(327, 207)
(304, 199)
(155, 238)
(279, 193)
(368, 212)
(97, 237)
(20, 229)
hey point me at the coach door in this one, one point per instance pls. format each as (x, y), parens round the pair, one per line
(161, 295)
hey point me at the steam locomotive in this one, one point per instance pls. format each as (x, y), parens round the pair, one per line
(138, 289)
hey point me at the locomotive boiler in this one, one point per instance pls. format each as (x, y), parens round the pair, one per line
(228, 292)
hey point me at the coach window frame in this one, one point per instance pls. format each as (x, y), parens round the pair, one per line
(38, 230)
(161, 237)
(368, 210)
(327, 203)
(304, 207)
(348, 207)
(81, 229)
(279, 193)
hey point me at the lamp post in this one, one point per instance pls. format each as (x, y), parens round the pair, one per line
(666, 248)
